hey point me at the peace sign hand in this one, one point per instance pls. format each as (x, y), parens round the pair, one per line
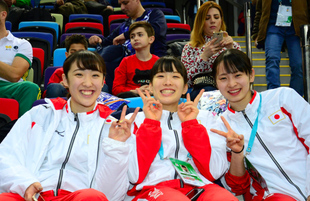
(188, 111)
(121, 130)
(151, 111)
(234, 141)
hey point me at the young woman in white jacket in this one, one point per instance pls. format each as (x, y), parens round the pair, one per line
(166, 130)
(68, 150)
(275, 134)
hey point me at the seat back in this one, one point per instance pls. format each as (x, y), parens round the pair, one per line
(173, 19)
(39, 40)
(39, 53)
(178, 28)
(153, 4)
(86, 18)
(116, 17)
(48, 73)
(59, 18)
(114, 26)
(60, 56)
(84, 27)
(53, 25)
(9, 107)
(41, 29)
(8, 25)
(170, 38)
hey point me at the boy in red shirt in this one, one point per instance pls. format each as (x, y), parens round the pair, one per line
(133, 71)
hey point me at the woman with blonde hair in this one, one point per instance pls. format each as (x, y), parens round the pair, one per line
(201, 51)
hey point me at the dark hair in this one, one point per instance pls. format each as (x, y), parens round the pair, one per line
(75, 39)
(147, 27)
(234, 61)
(164, 64)
(85, 60)
(4, 6)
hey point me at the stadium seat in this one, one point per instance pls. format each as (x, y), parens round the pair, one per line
(8, 25)
(86, 18)
(84, 27)
(178, 28)
(115, 18)
(60, 56)
(9, 107)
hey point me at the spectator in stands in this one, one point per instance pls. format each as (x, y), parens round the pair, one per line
(271, 31)
(68, 7)
(167, 130)
(276, 135)
(199, 54)
(15, 61)
(68, 150)
(134, 10)
(55, 87)
(22, 3)
(134, 71)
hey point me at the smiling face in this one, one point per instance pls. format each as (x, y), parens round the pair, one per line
(139, 39)
(213, 22)
(235, 86)
(84, 86)
(168, 88)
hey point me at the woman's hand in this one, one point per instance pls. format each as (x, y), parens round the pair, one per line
(227, 41)
(120, 130)
(234, 141)
(188, 111)
(32, 190)
(152, 108)
(210, 49)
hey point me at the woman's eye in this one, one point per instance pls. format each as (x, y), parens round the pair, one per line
(78, 74)
(222, 78)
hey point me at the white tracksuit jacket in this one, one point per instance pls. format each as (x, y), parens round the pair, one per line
(284, 131)
(187, 141)
(95, 161)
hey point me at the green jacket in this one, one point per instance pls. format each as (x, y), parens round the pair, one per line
(300, 12)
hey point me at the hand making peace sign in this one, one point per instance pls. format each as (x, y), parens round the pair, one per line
(188, 111)
(152, 108)
(234, 141)
(120, 130)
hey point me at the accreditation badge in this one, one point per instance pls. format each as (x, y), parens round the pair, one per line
(284, 16)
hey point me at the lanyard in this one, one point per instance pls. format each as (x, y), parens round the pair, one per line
(254, 128)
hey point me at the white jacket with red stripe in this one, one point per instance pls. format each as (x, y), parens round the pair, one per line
(187, 141)
(95, 161)
(283, 132)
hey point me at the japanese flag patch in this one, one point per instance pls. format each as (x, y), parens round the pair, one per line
(277, 117)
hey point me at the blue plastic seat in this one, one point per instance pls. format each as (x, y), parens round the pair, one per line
(166, 11)
(173, 19)
(40, 40)
(85, 18)
(8, 25)
(53, 25)
(60, 56)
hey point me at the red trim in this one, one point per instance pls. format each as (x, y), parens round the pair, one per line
(135, 129)
(32, 124)
(197, 143)
(104, 111)
(295, 129)
(251, 101)
(58, 103)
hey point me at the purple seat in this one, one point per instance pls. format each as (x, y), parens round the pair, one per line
(87, 35)
(170, 38)
(114, 26)
(48, 73)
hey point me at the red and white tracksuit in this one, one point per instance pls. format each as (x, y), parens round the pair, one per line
(283, 135)
(65, 152)
(155, 178)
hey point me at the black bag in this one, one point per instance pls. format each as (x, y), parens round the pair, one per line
(175, 48)
(93, 7)
(5, 126)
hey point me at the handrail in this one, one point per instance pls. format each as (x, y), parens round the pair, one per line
(305, 47)
(247, 17)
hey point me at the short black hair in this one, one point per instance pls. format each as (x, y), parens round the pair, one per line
(164, 64)
(234, 61)
(75, 39)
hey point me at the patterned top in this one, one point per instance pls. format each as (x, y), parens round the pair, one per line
(194, 64)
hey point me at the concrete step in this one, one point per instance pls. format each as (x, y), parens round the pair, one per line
(284, 69)
(261, 78)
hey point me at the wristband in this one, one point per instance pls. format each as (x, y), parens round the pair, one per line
(239, 151)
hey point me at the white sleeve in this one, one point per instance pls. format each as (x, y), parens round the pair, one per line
(25, 51)
(111, 177)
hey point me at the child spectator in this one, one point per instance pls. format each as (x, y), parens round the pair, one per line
(55, 87)
(133, 71)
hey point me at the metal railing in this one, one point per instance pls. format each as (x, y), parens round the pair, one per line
(305, 47)
(247, 17)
